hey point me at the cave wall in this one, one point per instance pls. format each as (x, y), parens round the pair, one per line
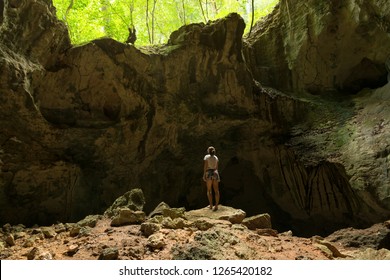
(321, 47)
(81, 125)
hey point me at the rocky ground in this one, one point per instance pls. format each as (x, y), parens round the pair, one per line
(125, 232)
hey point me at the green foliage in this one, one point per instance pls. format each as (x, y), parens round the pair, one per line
(154, 20)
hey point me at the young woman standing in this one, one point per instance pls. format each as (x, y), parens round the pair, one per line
(211, 176)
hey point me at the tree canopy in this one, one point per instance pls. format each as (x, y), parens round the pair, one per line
(153, 20)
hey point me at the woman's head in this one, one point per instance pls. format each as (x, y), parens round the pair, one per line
(211, 150)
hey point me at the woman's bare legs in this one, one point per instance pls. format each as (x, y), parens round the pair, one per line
(209, 192)
(216, 191)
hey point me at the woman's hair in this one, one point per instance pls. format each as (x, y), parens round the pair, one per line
(211, 150)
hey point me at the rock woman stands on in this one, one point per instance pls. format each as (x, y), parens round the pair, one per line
(211, 176)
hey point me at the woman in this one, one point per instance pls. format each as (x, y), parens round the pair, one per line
(211, 176)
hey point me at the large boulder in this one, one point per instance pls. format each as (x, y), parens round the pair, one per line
(260, 221)
(125, 216)
(235, 216)
(132, 200)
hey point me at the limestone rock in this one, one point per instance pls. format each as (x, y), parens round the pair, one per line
(227, 213)
(45, 255)
(156, 241)
(259, 221)
(203, 224)
(59, 228)
(375, 237)
(10, 240)
(89, 221)
(206, 245)
(30, 242)
(74, 231)
(327, 247)
(327, 46)
(20, 234)
(72, 249)
(111, 253)
(38, 254)
(149, 228)
(371, 254)
(133, 200)
(159, 209)
(49, 232)
(42, 44)
(2, 245)
(267, 232)
(174, 213)
(32, 253)
(126, 216)
(176, 223)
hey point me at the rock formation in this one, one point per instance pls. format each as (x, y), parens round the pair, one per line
(321, 48)
(82, 125)
(190, 235)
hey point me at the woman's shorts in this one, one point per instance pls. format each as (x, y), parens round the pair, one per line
(212, 174)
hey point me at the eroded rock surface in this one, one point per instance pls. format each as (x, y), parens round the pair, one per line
(332, 46)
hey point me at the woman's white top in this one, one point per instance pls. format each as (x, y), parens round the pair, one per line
(212, 161)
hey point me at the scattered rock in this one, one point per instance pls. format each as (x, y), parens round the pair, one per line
(10, 240)
(125, 216)
(176, 223)
(36, 231)
(111, 253)
(156, 219)
(288, 233)
(174, 213)
(202, 238)
(159, 209)
(156, 241)
(259, 221)
(89, 221)
(30, 242)
(48, 232)
(84, 231)
(149, 228)
(45, 256)
(74, 231)
(136, 252)
(72, 249)
(19, 235)
(32, 253)
(59, 228)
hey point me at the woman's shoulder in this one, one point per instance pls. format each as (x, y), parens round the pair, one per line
(206, 157)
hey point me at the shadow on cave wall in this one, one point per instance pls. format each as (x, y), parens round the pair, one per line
(1, 12)
(241, 188)
(321, 199)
